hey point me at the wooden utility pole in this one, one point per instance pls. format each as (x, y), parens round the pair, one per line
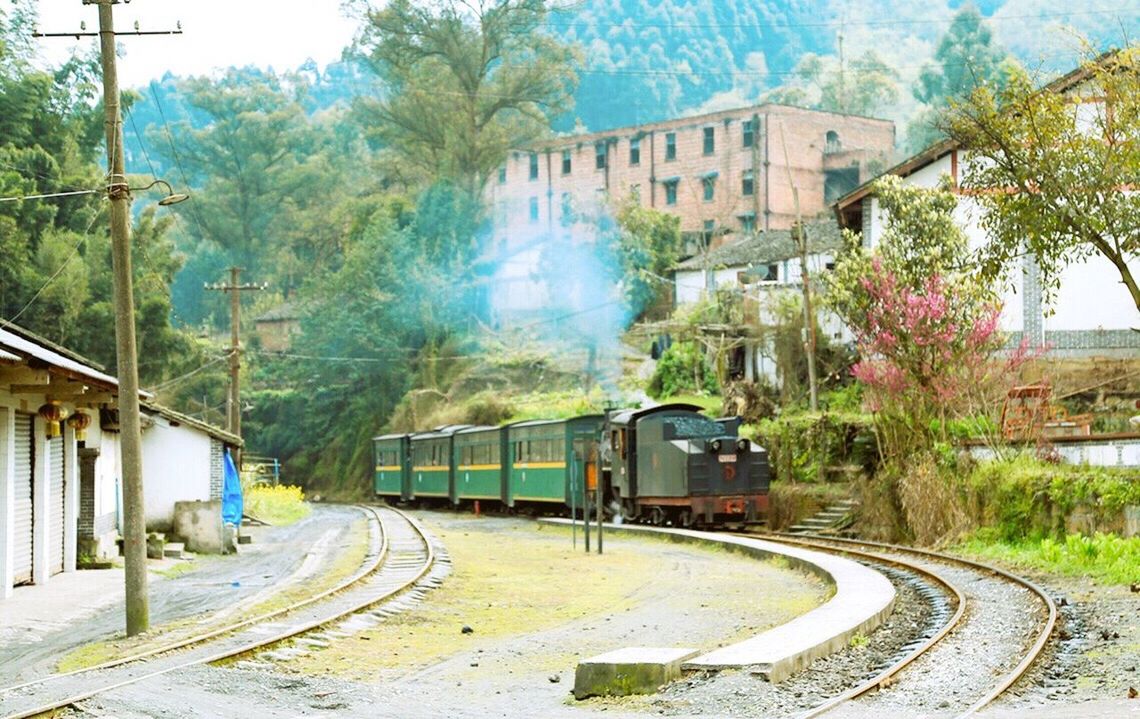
(126, 353)
(233, 401)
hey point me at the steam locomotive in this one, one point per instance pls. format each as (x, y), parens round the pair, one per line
(662, 465)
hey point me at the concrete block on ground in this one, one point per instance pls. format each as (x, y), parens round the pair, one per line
(155, 545)
(173, 550)
(633, 670)
(199, 525)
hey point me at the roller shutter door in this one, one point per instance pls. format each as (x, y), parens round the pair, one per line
(23, 534)
(57, 506)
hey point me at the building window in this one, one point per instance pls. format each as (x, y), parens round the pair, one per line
(709, 231)
(534, 209)
(565, 162)
(635, 151)
(635, 192)
(503, 175)
(709, 184)
(832, 143)
(769, 273)
(749, 133)
(748, 224)
(710, 140)
(534, 165)
(600, 155)
(670, 146)
(671, 192)
(747, 184)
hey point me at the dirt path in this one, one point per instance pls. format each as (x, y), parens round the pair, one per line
(32, 645)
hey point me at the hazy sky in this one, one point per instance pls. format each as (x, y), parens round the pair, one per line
(216, 34)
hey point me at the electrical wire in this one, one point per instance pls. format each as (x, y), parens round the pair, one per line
(166, 384)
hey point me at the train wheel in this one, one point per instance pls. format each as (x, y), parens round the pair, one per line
(657, 516)
(685, 519)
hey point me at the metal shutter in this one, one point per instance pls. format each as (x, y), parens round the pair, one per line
(57, 506)
(23, 534)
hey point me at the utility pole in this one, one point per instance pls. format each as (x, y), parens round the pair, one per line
(233, 401)
(126, 351)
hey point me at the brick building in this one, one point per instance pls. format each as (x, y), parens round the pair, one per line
(723, 173)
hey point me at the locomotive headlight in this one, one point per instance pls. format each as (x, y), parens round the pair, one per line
(742, 444)
(715, 445)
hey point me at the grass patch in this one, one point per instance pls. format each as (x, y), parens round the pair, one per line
(515, 582)
(176, 570)
(1105, 558)
(710, 404)
(280, 505)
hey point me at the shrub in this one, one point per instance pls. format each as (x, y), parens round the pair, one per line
(802, 446)
(1026, 498)
(683, 367)
(282, 504)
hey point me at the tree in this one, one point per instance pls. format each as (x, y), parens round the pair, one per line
(863, 87)
(465, 83)
(1054, 169)
(925, 324)
(650, 243)
(967, 58)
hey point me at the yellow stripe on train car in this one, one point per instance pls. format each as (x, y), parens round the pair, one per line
(478, 467)
(431, 469)
(541, 465)
(387, 467)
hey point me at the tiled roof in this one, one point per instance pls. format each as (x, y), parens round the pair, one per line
(767, 247)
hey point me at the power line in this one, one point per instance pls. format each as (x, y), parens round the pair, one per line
(177, 158)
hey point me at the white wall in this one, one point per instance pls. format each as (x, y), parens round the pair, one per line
(176, 468)
(1091, 296)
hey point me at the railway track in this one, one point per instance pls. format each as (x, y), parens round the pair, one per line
(400, 556)
(988, 643)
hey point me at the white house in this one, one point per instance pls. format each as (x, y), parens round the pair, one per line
(765, 269)
(1092, 313)
(60, 489)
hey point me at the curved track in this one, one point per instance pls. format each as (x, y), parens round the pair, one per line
(400, 554)
(940, 568)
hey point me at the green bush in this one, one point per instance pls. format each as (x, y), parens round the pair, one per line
(683, 367)
(802, 446)
(1025, 498)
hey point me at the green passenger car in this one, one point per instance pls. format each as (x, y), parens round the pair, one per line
(478, 453)
(548, 457)
(393, 466)
(432, 473)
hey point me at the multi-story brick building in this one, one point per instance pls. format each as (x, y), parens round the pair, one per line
(726, 175)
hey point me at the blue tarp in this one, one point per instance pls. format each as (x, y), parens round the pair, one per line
(232, 505)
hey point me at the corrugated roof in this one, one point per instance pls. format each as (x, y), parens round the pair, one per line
(767, 247)
(18, 341)
(283, 311)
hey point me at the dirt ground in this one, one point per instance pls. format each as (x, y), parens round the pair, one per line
(534, 606)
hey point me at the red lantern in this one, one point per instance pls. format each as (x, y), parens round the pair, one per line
(52, 415)
(79, 422)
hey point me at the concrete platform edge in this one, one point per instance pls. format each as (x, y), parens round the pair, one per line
(862, 601)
